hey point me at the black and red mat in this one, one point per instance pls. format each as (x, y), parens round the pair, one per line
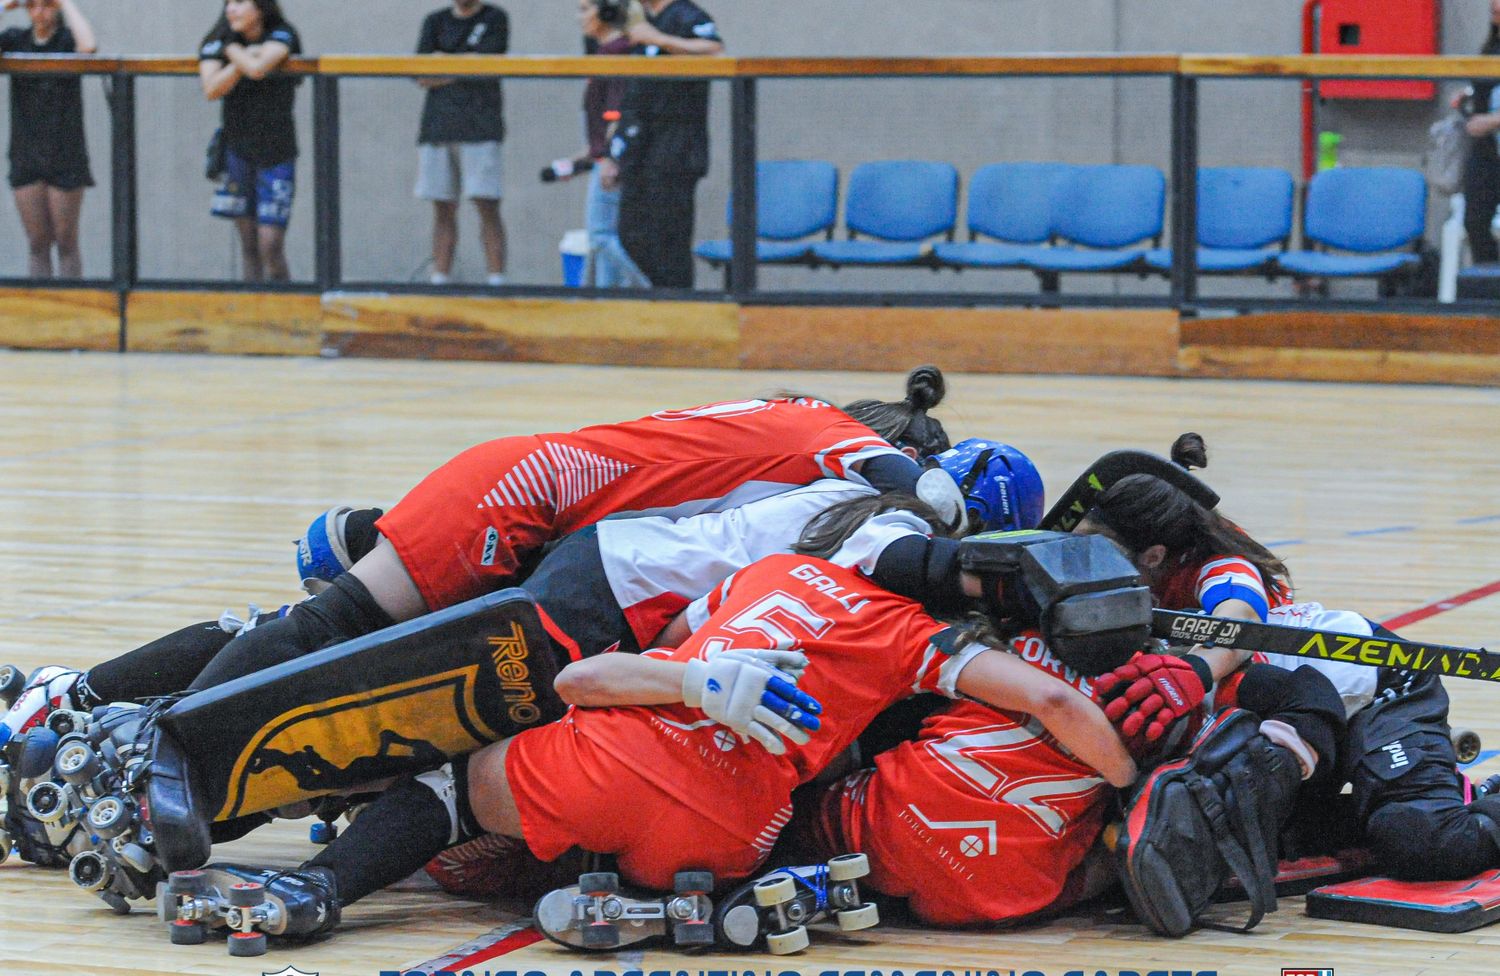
(1430, 906)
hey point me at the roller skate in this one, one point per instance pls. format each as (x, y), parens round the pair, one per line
(596, 915)
(250, 903)
(776, 910)
(35, 820)
(45, 698)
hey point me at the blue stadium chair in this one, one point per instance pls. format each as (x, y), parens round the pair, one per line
(795, 199)
(1372, 212)
(902, 203)
(1011, 203)
(1241, 212)
(1105, 209)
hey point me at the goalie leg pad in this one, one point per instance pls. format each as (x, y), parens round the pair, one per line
(1193, 823)
(398, 701)
(1452, 906)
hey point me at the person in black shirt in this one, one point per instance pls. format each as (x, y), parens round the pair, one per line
(49, 163)
(458, 150)
(660, 150)
(1482, 171)
(237, 64)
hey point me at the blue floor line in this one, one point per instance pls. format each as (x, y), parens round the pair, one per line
(1387, 529)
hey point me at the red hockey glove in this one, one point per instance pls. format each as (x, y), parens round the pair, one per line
(1145, 696)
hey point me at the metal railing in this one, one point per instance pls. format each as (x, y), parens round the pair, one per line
(742, 75)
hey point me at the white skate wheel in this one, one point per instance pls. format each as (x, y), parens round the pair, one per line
(4, 846)
(75, 762)
(784, 943)
(847, 867)
(109, 817)
(774, 891)
(866, 916)
(45, 801)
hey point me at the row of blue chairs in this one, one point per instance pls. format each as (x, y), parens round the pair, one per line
(1053, 218)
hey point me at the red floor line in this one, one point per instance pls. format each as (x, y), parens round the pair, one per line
(1442, 606)
(512, 942)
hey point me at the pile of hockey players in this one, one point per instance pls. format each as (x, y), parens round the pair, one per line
(720, 672)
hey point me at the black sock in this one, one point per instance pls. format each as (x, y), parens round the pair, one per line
(390, 839)
(164, 666)
(342, 612)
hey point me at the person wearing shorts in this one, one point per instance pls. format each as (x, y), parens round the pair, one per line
(458, 148)
(49, 162)
(238, 64)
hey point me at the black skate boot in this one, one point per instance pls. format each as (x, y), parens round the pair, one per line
(251, 903)
(596, 915)
(775, 911)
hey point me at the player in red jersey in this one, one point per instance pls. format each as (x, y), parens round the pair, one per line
(984, 818)
(644, 767)
(476, 523)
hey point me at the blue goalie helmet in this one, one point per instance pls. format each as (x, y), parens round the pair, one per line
(1001, 487)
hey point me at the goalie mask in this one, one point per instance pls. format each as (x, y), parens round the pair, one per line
(1001, 487)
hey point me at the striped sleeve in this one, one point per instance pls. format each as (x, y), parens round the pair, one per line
(852, 443)
(946, 655)
(1232, 578)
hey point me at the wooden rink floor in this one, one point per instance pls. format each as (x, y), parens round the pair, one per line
(141, 493)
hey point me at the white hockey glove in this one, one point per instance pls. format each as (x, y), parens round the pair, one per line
(755, 694)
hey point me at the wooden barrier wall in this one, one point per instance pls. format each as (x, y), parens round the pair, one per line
(1299, 345)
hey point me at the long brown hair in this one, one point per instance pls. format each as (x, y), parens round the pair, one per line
(827, 532)
(1142, 511)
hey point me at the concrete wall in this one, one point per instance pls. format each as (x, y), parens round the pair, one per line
(966, 122)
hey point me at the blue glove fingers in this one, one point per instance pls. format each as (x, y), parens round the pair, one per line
(787, 690)
(790, 712)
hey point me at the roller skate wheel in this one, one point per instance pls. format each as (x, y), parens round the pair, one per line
(247, 894)
(847, 867)
(45, 801)
(109, 817)
(784, 943)
(866, 916)
(693, 934)
(774, 891)
(187, 883)
(116, 902)
(5, 845)
(137, 857)
(247, 944)
(322, 833)
(740, 926)
(692, 882)
(89, 871)
(599, 883)
(1467, 745)
(184, 932)
(599, 935)
(12, 682)
(75, 763)
(166, 904)
(63, 723)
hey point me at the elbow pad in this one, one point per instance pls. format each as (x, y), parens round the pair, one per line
(925, 570)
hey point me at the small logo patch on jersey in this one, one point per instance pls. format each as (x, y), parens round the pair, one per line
(1396, 754)
(491, 546)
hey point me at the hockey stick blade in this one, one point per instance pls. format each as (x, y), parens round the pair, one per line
(1475, 663)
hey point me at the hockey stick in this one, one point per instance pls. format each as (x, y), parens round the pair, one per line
(1177, 627)
(1075, 503)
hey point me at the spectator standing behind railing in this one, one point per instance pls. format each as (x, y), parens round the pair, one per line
(604, 23)
(1482, 171)
(237, 63)
(49, 162)
(660, 150)
(458, 151)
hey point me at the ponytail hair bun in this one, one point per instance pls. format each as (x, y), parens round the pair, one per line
(925, 387)
(1189, 451)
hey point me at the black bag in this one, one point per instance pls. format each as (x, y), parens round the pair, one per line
(1192, 824)
(216, 160)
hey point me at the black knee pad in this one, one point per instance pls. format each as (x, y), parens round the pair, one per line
(342, 612)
